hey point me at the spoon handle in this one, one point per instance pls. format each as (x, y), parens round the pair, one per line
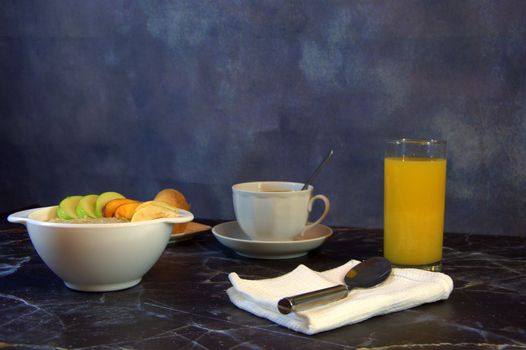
(318, 169)
(311, 299)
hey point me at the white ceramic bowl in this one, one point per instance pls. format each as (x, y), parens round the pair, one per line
(98, 257)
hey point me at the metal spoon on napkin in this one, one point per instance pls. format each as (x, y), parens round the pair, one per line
(364, 275)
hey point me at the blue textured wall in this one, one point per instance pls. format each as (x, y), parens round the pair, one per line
(136, 96)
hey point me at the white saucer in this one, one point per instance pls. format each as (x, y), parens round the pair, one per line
(230, 235)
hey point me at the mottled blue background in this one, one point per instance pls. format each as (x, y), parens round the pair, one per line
(135, 96)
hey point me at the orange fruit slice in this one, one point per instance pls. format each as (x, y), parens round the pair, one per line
(126, 211)
(109, 209)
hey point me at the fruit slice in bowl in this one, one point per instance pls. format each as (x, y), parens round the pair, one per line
(86, 206)
(103, 199)
(67, 207)
(126, 211)
(109, 209)
(152, 210)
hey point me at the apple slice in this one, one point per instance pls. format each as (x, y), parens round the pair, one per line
(66, 207)
(104, 198)
(86, 206)
(62, 214)
(109, 209)
(153, 211)
(125, 211)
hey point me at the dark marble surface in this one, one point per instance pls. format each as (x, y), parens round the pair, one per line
(182, 304)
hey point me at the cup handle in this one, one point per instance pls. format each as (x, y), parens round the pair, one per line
(325, 211)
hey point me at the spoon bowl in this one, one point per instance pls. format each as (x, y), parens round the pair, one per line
(368, 273)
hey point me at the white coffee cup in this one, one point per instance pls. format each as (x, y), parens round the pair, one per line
(275, 210)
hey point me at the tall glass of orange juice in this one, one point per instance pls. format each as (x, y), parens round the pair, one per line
(414, 202)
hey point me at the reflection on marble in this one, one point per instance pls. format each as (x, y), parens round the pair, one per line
(181, 302)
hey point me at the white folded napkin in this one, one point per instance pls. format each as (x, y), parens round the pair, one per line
(403, 289)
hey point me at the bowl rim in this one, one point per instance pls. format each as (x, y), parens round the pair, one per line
(22, 217)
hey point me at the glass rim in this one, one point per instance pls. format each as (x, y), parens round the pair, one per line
(410, 141)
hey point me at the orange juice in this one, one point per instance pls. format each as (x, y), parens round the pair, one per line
(414, 200)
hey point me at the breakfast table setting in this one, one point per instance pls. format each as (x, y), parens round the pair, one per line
(182, 301)
(107, 271)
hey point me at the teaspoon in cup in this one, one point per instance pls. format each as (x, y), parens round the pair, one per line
(318, 169)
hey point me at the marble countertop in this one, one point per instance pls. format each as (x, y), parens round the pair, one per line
(182, 303)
